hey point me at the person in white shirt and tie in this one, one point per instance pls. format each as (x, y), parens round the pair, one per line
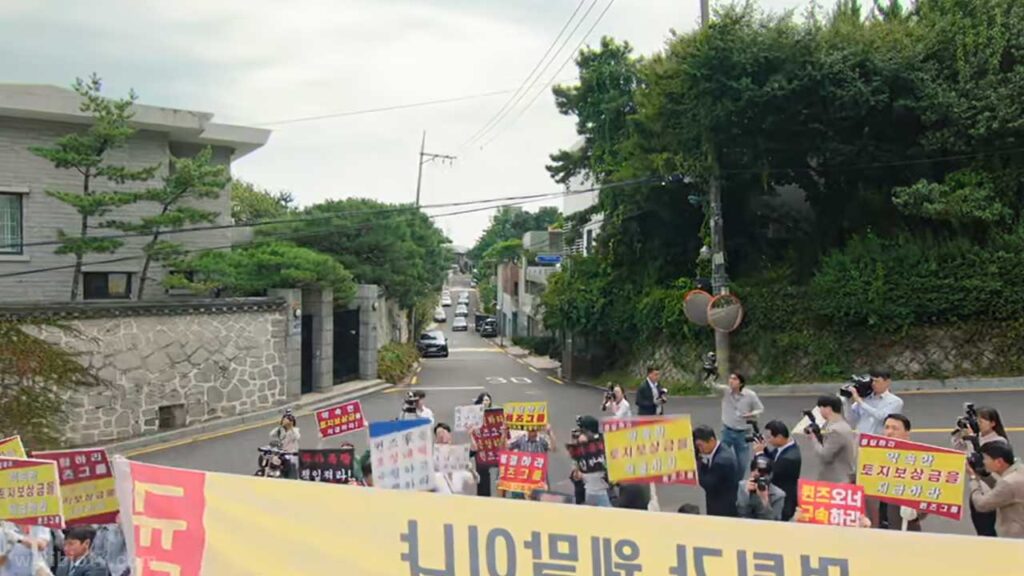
(867, 415)
(78, 560)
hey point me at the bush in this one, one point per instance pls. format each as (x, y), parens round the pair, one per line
(539, 345)
(395, 360)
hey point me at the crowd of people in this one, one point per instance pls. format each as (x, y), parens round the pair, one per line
(83, 550)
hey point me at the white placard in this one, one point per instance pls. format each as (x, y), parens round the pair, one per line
(451, 458)
(469, 417)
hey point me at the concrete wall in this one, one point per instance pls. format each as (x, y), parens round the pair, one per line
(43, 215)
(212, 358)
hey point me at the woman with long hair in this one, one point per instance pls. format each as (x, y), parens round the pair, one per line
(483, 486)
(990, 429)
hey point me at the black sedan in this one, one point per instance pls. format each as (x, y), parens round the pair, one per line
(433, 343)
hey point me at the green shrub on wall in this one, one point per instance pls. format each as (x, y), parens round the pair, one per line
(395, 360)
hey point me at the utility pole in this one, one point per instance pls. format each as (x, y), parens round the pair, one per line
(719, 277)
(425, 158)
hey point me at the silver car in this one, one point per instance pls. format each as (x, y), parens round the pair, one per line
(460, 324)
(461, 310)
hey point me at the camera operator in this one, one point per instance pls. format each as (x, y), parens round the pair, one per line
(615, 399)
(999, 487)
(739, 407)
(979, 426)
(836, 442)
(650, 395)
(758, 497)
(716, 473)
(415, 406)
(867, 415)
(786, 462)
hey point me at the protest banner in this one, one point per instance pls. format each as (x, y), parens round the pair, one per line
(330, 465)
(589, 456)
(12, 448)
(216, 518)
(650, 450)
(30, 492)
(522, 471)
(469, 417)
(490, 437)
(919, 476)
(451, 458)
(402, 454)
(526, 415)
(86, 485)
(830, 503)
(341, 419)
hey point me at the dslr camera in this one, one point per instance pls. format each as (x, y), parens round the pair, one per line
(755, 433)
(968, 426)
(968, 423)
(763, 466)
(609, 393)
(859, 382)
(813, 428)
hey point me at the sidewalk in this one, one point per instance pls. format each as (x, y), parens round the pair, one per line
(538, 362)
(306, 404)
(968, 384)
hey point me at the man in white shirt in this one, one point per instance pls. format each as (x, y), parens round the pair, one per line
(24, 549)
(421, 407)
(867, 415)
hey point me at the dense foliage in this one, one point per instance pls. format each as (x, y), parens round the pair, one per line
(250, 203)
(395, 360)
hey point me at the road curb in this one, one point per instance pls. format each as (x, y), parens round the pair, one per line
(301, 407)
(951, 385)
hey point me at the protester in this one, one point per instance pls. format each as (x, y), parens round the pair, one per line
(483, 488)
(25, 550)
(617, 402)
(867, 415)
(760, 501)
(286, 437)
(648, 394)
(456, 481)
(892, 516)
(533, 442)
(110, 545)
(716, 472)
(786, 462)
(990, 429)
(78, 560)
(595, 484)
(740, 406)
(837, 446)
(634, 496)
(1000, 489)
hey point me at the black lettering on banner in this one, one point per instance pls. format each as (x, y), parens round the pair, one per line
(412, 554)
(682, 567)
(492, 552)
(556, 562)
(824, 567)
(765, 564)
(625, 551)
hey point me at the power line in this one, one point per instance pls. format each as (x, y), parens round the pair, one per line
(544, 88)
(487, 124)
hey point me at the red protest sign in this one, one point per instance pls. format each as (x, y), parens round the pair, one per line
(340, 419)
(490, 438)
(830, 503)
(86, 485)
(522, 471)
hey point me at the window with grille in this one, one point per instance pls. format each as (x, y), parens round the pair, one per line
(11, 224)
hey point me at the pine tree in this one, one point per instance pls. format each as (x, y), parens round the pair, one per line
(85, 152)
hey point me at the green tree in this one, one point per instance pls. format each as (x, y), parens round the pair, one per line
(190, 179)
(86, 153)
(250, 203)
(510, 223)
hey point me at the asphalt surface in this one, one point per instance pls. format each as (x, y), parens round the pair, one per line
(477, 364)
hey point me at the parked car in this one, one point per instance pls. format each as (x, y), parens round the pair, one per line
(472, 283)
(440, 315)
(461, 310)
(460, 324)
(433, 343)
(464, 298)
(446, 300)
(488, 328)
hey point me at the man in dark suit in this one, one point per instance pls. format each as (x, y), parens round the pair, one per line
(716, 472)
(786, 462)
(78, 560)
(648, 395)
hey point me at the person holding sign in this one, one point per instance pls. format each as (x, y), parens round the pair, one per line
(890, 516)
(590, 467)
(1000, 488)
(534, 443)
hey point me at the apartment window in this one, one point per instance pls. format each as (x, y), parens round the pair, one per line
(11, 216)
(107, 285)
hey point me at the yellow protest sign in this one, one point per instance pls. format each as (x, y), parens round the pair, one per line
(526, 415)
(650, 450)
(204, 524)
(920, 476)
(12, 447)
(30, 492)
(86, 485)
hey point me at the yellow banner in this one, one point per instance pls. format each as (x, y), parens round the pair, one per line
(927, 478)
(194, 523)
(86, 485)
(12, 448)
(526, 415)
(30, 492)
(652, 450)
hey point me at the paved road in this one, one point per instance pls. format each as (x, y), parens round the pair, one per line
(477, 364)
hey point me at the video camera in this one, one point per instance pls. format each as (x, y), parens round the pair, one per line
(609, 393)
(859, 382)
(755, 433)
(969, 421)
(813, 428)
(710, 366)
(409, 403)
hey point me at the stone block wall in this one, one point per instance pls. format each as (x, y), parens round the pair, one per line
(207, 359)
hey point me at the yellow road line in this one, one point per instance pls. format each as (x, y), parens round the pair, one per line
(414, 380)
(555, 380)
(532, 369)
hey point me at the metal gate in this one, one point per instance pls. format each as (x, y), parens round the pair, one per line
(346, 345)
(307, 353)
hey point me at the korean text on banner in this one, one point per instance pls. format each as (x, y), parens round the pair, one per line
(469, 417)
(526, 415)
(340, 419)
(402, 454)
(651, 450)
(522, 471)
(86, 485)
(331, 465)
(589, 456)
(830, 503)
(490, 437)
(920, 476)
(195, 523)
(451, 458)
(30, 492)
(12, 448)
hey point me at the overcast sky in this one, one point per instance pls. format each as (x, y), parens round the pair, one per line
(258, 61)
